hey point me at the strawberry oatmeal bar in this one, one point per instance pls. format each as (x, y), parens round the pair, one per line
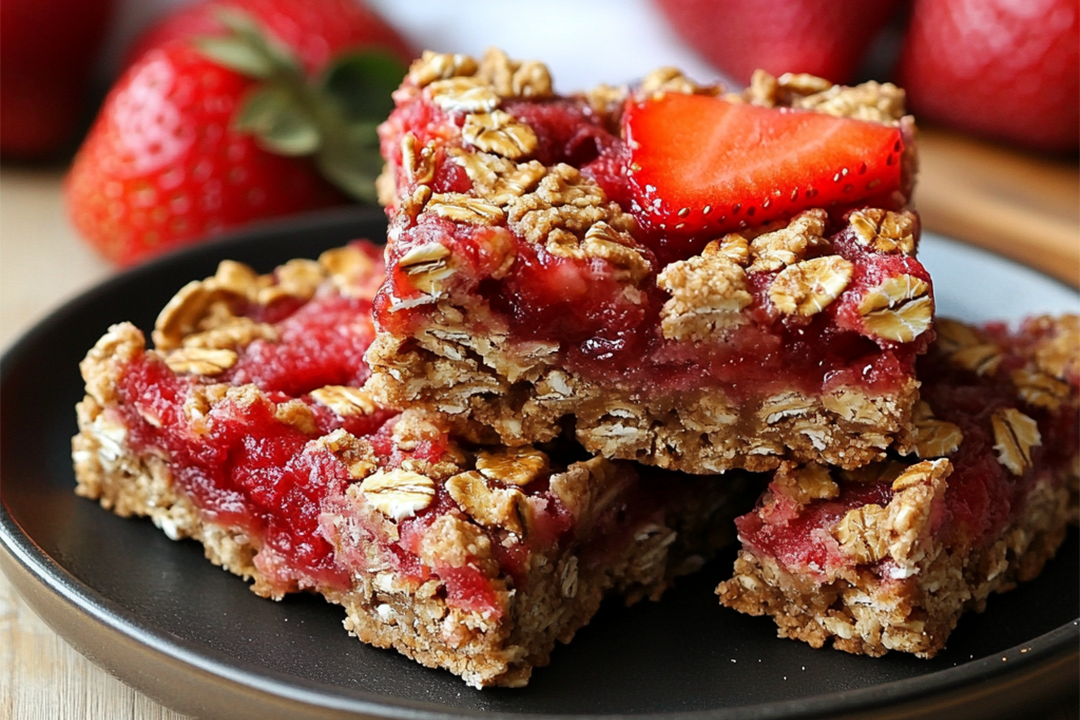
(246, 428)
(693, 280)
(889, 556)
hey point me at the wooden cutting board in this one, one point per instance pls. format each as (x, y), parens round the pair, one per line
(1023, 206)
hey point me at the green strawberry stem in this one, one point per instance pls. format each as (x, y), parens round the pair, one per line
(332, 119)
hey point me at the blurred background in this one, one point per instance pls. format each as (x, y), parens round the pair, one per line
(993, 84)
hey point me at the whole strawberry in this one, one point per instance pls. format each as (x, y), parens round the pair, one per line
(827, 38)
(206, 133)
(1004, 69)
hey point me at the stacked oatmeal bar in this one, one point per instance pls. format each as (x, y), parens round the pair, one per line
(712, 285)
(536, 275)
(246, 427)
(708, 283)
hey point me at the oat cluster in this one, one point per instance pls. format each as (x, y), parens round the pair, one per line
(554, 207)
(709, 290)
(870, 101)
(202, 328)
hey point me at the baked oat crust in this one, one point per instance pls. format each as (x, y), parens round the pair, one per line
(865, 615)
(563, 590)
(486, 397)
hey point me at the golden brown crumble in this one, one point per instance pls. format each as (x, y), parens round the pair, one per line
(231, 333)
(900, 308)
(871, 101)
(427, 266)
(456, 542)
(1015, 434)
(1040, 389)
(563, 199)
(501, 507)
(1059, 354)
(708, 293)
(398, 494)
(514, 78)
(354, 453)
(805, 483)
(967, 347)
(933, 438)
(672, 79)
(298, 414)
(786, 245)
(517, 466)
(871, 532)
(463, 94)
(498, 179)
(500, 133)
(205, 314)
(981, 359)
(810, 286)
(200, 361)
(418, 164)
(862, 533)
(884, 230)
(606, 101)
(458, 207)
(345, 401)
(432, 66)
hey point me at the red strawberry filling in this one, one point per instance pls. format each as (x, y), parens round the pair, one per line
(268, 478)
(242, 465)
(798, 537)
(317, 346)
(605, 334)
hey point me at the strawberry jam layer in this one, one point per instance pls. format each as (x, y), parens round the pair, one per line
(231, 448)
(612, 336)
(322, 343)
(798, 537)
(241, 467)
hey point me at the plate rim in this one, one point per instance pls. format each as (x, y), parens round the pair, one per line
(24, 562)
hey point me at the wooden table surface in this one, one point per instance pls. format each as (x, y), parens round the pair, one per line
(1025, 207)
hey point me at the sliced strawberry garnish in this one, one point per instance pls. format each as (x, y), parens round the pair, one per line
(702, 165)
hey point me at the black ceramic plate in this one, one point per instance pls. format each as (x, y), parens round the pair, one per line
(164, 620)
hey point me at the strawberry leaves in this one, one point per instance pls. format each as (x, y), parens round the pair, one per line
(332, 118)
(359, 88)
(361, 84)
(282, 122)
(247, 49)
